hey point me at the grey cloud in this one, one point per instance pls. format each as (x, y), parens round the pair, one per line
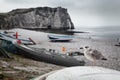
(107, 10)
(18, 1)
(88, 5)
(106, 6)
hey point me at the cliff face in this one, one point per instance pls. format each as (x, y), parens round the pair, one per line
(41, 17)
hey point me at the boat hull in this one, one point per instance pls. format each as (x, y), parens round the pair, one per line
(60, 37)
(54, 58)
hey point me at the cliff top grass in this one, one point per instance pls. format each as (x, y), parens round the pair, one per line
(3, 15)
(25, 10)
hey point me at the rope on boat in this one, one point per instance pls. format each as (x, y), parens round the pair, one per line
(4, 53)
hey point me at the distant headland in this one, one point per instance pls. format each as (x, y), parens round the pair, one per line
(40, 17)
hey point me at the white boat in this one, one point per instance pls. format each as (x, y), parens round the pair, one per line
(58, 37)
(9, 37)
(81, 73)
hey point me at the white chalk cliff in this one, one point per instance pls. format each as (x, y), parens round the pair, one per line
(41, 17)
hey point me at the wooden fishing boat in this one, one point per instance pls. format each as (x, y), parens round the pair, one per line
(58, 37)
(40, 54)
(10, 38)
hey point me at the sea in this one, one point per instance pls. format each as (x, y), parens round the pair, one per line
(111, 33)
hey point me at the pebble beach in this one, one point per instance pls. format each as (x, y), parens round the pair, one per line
(106, 47)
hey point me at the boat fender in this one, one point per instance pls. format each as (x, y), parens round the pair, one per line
(19, 41)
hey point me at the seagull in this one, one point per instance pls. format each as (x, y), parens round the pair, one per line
(92, 54)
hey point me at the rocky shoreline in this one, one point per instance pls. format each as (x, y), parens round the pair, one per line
(20, 68)
(57, 31)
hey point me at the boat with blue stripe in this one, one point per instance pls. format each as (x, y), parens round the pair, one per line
(60, 37)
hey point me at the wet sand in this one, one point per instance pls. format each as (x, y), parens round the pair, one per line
(107, 48)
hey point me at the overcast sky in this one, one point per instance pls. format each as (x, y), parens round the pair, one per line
(82, 12)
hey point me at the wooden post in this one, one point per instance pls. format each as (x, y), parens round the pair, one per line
(32, 41)
(16, 35)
